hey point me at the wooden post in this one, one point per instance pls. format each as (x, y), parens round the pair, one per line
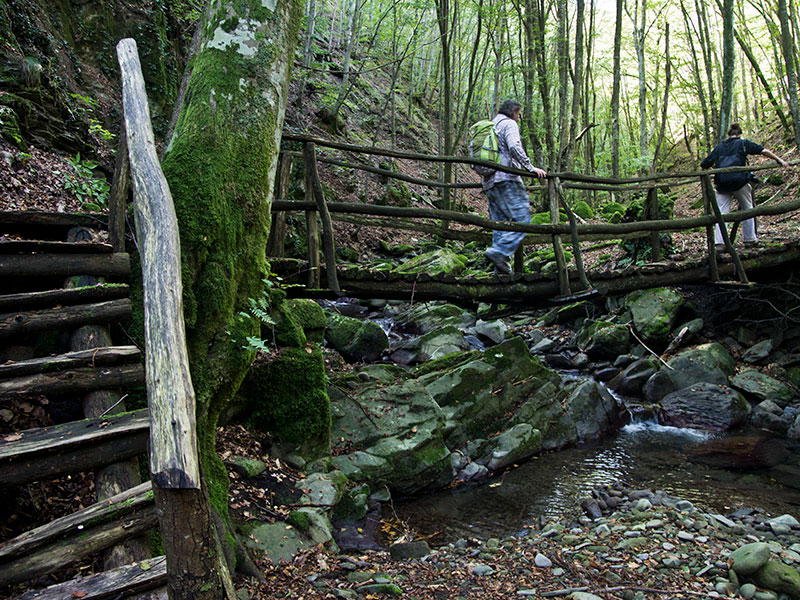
(519, 259)
(655, 241)
(328, 247)
(710, 244)
(118, 199)
(558, 248)
(312, 235)
(195, 566)
(573, 228)
(277, 229)
(723, 228)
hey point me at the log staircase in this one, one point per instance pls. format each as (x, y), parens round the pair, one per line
(60, 281)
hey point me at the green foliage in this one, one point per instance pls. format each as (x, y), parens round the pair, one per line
(9, 125)
(90, 190)
(583, 210)
(265, 310)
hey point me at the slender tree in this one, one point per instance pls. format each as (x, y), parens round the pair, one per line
(791, 73)
(728, 68)
(615, 92)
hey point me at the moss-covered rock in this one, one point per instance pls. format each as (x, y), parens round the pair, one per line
(285, 395)
(583, 210)
(654, 312)
(436, 262)
(604, 339)
(427, 316)
(436, 344)
(354, 339)
(310, 316)
(762, 387)
(707, 363)
(780, 578)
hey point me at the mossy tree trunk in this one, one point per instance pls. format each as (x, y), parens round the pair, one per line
(220, 164)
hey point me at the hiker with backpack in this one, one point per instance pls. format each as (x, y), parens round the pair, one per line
(508, 199)
(732, 152)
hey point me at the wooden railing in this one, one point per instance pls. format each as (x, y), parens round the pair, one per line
(554, 233)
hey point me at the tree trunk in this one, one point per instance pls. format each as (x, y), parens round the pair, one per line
(791, 74)
(615, 93)
(728, 68)
(443, 20)
(221, 165)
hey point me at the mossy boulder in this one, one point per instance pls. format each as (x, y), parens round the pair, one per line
(707, 363)
(612, 212)
(436, 262)
(583, 210)
(762, 387)
(285, 330)
(780, 578)
(748, 559)
(354, 339)
(436, 344)
(309, 316)
(654, 313)
(568, 313)
(285, 395)
(427, 316)
(704, 406)
(603, 339)
(517, 443)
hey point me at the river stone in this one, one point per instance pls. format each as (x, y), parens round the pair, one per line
(762, 387)
(704, 406)
(387, 589)
(749, 558)
(738, 452)
(246, 467)
(322, 489)
(707, 363)
(779, 577)
(654, 312)
(280, 542)
(437, 343)
(657, 386)
(603, 339)
(787, 520)
(794, 430)
(408, 550)
(583, 596)
(361, 466)
(442, 261)
(747, 591)
(633, 377)
(354, 339)
(541, 561)
(568, 313)
(685, 334)
(481, 570)
(521, 441)
(427, 316)
(494, 331)
(472, 471)
(758, 353)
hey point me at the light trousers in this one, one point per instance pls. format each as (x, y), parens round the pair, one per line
(744, 198)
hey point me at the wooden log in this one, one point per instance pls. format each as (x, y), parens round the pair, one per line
(96, 357)
(725, 238)
(173, 441)
(64, 297)
(328, 247)
(277, 230)
(47, 452)
(13, 324)
(576, 244)
(110, 509)
(312, 235)
(52, 247)
(72, 381)
(120, 186)
(558, 247)
(655, 240)
(70, 539)
(52, 225)
(65, 265)
(125, 581)
(610, 231)
(710, 243)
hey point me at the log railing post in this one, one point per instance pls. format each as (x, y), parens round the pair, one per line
(196, 567)
(558, 248)
(710, 244)
(655, 241)
(328, 248)
(573, 228)
(312, 231)
(118, 198)
(277, 229)
(724, 229)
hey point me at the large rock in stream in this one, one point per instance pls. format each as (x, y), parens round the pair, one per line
(707, 363)
(704, 406)
(490, 408)
(654, 313)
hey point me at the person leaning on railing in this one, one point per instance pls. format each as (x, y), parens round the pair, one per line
(733, 152)
(508, 200)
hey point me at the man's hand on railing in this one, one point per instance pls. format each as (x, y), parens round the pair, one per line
(540, 173)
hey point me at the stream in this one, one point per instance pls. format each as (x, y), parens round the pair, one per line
(642, 455)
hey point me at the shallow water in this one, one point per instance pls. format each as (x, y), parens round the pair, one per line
(642, 455)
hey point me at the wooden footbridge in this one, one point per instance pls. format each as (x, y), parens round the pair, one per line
(60, 276)
(321, 276)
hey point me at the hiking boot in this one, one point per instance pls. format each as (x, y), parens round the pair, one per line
(499, 261)
(752, 244)
(720, 248)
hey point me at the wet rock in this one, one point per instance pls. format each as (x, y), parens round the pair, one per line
(762, 387)
(739, 452)
(521, 441)
(779, 577)
(631, 380)
(543, 346)
(658, 385)
(758, 353)
(494, 331)
(654, 312)
(603, 339)
(408, 550)
(606, 374)
(707, 363)
(354, 339)
(704, 406)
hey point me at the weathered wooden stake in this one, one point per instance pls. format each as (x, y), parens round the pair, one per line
(576, 244)
(195, 566)
(710, 244)
(724, 229)
(558, 248)
(328, 247)
(312, 236)
(655, 241)
(118, 200)
(277, 229)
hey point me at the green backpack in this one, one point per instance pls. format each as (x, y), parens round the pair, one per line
(484, 145)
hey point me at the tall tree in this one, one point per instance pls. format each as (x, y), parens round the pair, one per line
(220, 165)
(443, 21)
(728, 68)
(791, 73)
(615, 92)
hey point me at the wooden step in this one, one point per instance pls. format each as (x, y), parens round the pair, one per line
(49, 452)
(63, 297)
(96, 357)
(70, 539)
(68, 317)
(48, 225)
(115, 265)
(80, 380)
(122, 582)
(50, 247)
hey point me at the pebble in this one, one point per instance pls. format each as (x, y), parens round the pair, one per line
(685, 536)
(644, 504)
(558, 572)
(668, 547)
(747, 591)
(673, 562)
(481, 570)
(542, 561)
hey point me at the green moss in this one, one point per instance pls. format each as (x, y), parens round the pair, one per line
(299, 519)
(287, 397)
(447, 362)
